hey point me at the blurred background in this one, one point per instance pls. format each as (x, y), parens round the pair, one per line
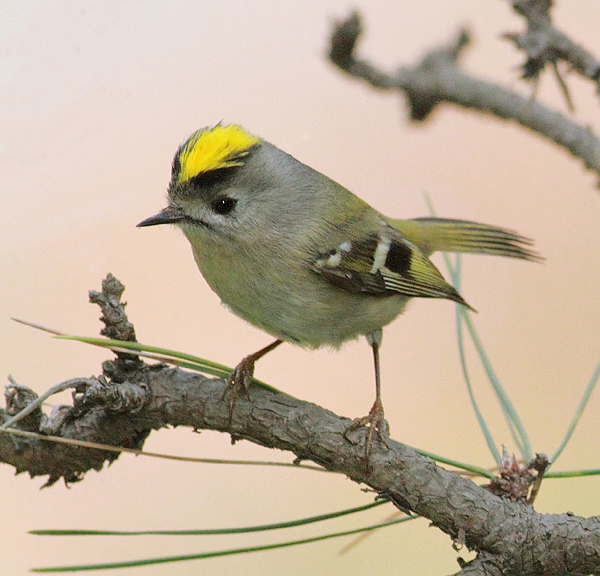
(97, 96)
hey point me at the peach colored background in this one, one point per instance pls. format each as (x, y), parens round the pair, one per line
(97, 96)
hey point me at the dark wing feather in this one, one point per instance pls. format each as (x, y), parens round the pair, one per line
(384, 264)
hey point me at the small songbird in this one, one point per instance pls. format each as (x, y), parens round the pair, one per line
(300, 256)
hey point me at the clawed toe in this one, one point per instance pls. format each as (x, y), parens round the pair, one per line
(241, 377)
(373, 422)
(239, 381)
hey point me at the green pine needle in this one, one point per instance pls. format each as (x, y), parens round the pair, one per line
(578, 412)
(215, 554)
(213, 531)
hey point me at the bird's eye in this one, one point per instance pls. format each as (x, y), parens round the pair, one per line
(224, 204)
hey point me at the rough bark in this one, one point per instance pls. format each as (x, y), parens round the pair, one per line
(131, 398)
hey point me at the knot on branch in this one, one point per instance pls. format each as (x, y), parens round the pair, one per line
(116, 323)
(344, 39)
(421, 99)
(121, 397)
(513, 481)
(534, 10)
(544, 44)
(17, 398)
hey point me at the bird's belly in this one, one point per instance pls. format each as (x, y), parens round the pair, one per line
(300, 306)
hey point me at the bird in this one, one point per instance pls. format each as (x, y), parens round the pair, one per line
(301, 257)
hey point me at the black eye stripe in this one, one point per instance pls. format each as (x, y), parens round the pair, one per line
(224, 204)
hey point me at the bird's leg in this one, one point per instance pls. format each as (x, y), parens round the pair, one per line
(375, 420)
(241, 376)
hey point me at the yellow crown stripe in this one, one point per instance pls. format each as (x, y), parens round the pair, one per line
(219, 147)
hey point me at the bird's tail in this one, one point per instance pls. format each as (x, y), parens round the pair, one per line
(447, 235)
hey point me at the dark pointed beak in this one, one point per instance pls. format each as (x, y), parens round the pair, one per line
(168, 215)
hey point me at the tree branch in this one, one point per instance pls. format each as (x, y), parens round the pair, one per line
(544, 44)
(131, 399)
(437, 79)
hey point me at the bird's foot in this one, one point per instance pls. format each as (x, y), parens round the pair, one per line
(239, 381)
(373, 422)
(241, 376)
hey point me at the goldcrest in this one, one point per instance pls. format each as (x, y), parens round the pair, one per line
(300, 256)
